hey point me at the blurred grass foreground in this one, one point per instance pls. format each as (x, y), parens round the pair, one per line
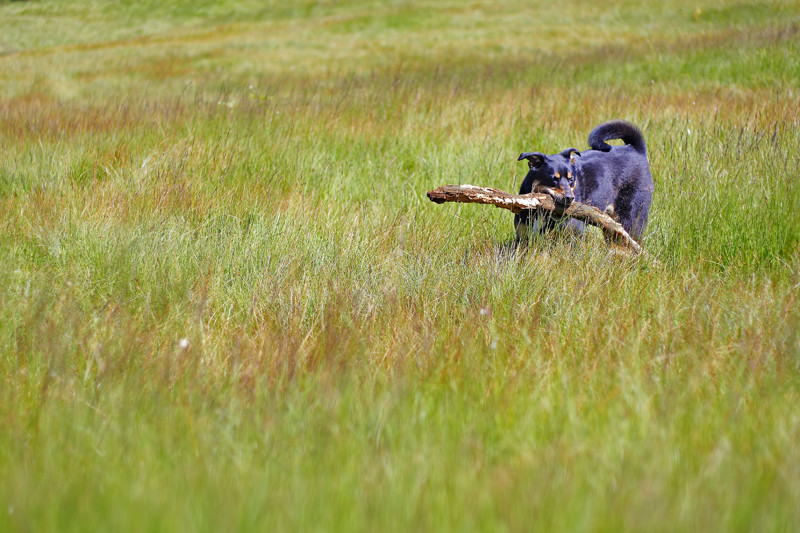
(226, 304)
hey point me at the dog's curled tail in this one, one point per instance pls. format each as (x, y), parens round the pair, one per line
(616, 129)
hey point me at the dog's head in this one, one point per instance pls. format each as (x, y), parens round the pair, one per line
(555, 175)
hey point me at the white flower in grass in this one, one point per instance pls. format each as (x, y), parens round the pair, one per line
(183, 343)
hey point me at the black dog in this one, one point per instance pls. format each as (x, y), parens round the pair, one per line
(615, 179)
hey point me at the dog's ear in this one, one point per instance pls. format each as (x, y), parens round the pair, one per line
(535, 159)
(571, 154)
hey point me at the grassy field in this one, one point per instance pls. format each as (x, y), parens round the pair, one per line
(226, 304)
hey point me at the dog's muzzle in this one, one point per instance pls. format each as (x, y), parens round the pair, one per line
(562, 198)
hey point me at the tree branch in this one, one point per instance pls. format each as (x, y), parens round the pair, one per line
(538, 202)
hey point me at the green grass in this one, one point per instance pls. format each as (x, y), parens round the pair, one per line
(225, 302)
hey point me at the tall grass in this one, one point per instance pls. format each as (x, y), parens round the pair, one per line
(225, 302)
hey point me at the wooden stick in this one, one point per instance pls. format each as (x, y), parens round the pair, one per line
(612, 229)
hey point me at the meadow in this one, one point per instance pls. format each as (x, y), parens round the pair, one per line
(227, 304)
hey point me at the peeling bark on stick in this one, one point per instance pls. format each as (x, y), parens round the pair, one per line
(536, 201)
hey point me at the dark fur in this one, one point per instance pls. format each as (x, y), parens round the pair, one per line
(615, 179)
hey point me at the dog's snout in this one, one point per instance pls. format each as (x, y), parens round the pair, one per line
(567, 187)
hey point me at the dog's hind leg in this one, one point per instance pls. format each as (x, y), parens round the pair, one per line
(634, 218)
